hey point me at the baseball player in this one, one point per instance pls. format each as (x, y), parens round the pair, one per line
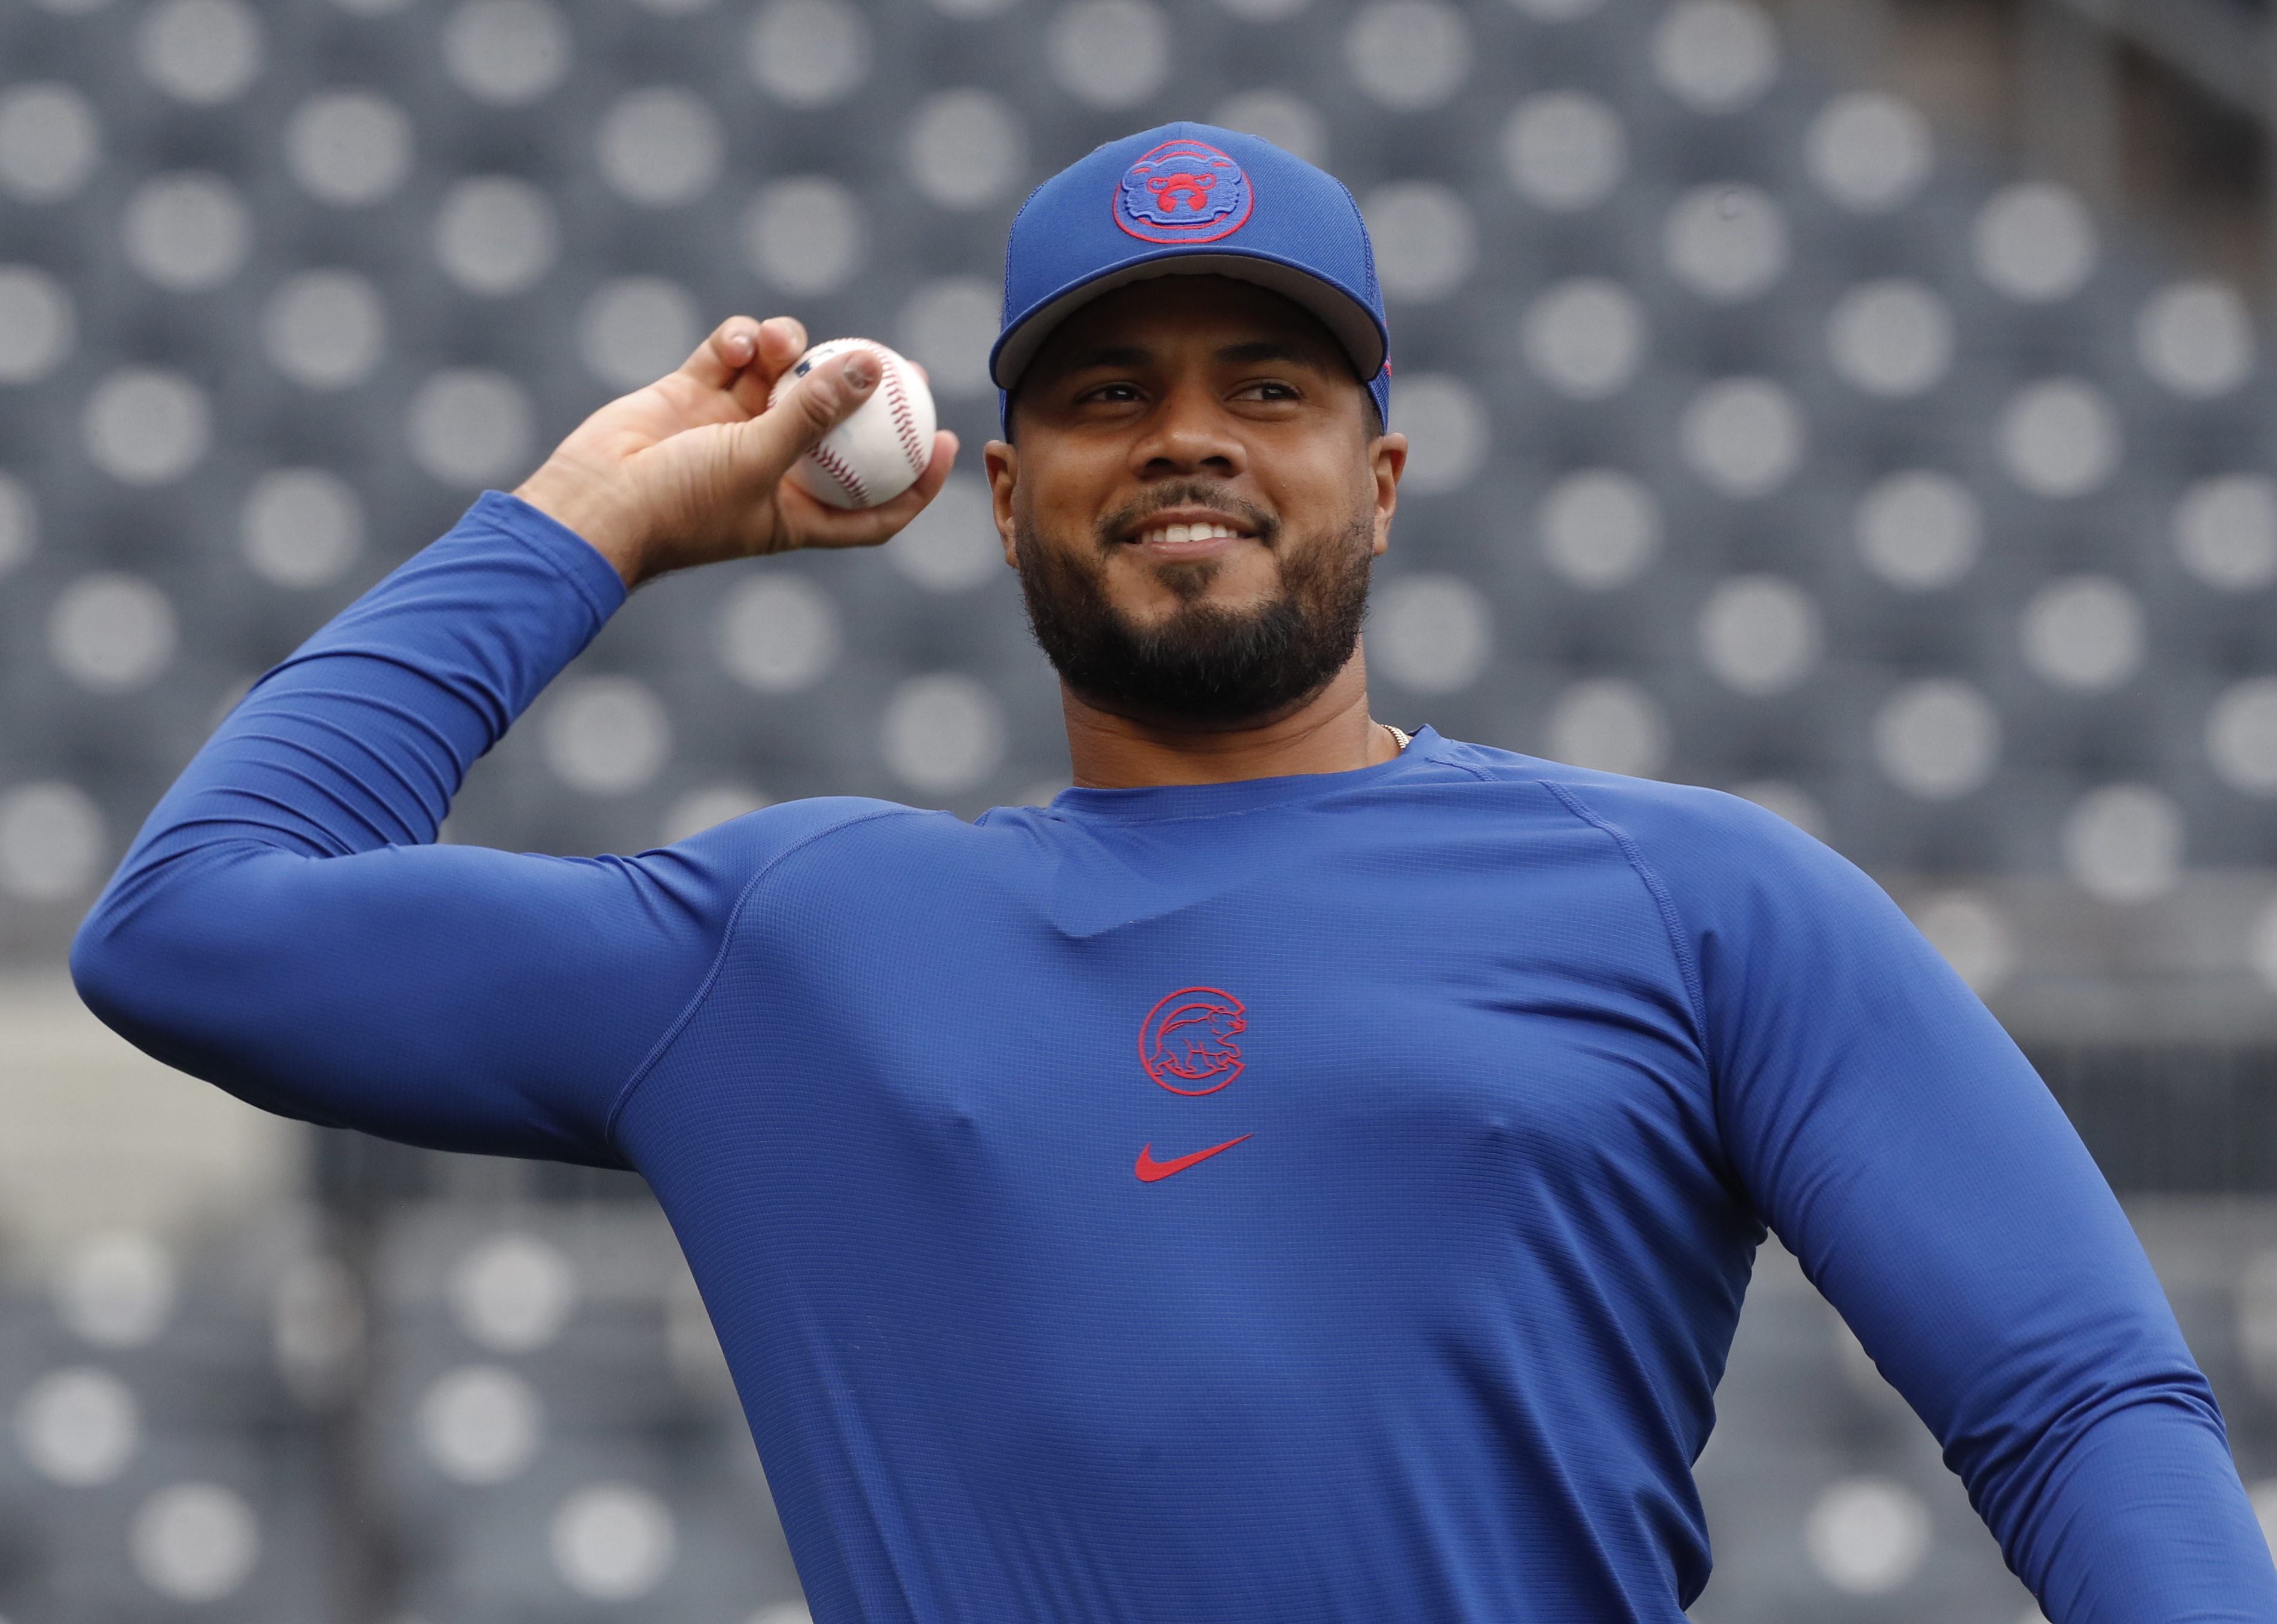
(1308, 1171)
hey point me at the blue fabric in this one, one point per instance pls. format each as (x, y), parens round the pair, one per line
(1284, 224)
(1517, 1061)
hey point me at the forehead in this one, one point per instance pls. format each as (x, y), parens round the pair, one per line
(1172, 314)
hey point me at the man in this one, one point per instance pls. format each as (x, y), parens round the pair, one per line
(1305, 1174)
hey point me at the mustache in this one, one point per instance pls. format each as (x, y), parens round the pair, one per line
(1125, 524)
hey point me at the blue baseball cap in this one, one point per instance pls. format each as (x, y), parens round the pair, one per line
(1192, 198)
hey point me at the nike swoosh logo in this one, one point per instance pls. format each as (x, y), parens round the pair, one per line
(1151, 1171)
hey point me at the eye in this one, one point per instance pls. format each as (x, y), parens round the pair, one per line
(1110, 394)
(1270, 388)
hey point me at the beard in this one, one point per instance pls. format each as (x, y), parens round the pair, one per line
(1203, 663)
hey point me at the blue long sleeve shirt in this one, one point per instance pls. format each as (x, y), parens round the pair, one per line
(1309, 1198)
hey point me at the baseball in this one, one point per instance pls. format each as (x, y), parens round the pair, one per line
(877, 453)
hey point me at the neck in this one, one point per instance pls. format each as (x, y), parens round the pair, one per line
(1331, 731)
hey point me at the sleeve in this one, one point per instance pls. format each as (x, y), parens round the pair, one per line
(1906, 1151)
(285, 928)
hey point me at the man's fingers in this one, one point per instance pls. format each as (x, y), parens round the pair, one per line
(763, 449)
(726, 352)
(866, 527)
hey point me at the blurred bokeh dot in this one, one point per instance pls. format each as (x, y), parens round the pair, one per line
(708, 807)
(612, 1541)
(1869, 151)
(507, 52)
(941, 733)
(2123, 843)
(195, 1542)
(1599, 528)
(78, 1426)
(146, 427)
(1264, 10)
(605, 735)
(1430, 633)
(805, 235)
(301, 528)
(675, 7)
(964, 149)
(1759, 634)
(953, 545)
(2035, 242)
(1788, 800)
(1563, 150)
(2261, 953)
(467, 428)
(777, 633)
(1449, 434)
(1892, 337)
(947, 327)
(634, 330)
(1426, 243)
(51, 842)
(1408, 55)
(72, 8)
(115, 1288)
(1920, 529)
(496, 234)
(348, 148)
(512, 1292)
(660, 146)
(2059, 438)
(1726, 242)
(973, 11)
(204, 52)
(1556, 10)
(186, 232)
(2226, 531)
(2241, 736)
(112, 632)
(49, 142)
(19, 522)
(371, 8)
(1972, 933)
(37, 326)
(480, 1423)
(325, 328)
(2083, 632)
(1937, 739)
(1867, 1535)
(809, 53)
(1714, 56)
(1608, 725)
(1743, 436)
(1109, 54)
(1288, 120)
(1584, 338)
(2196, 338)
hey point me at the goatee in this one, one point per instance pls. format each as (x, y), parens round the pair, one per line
(1203, 663)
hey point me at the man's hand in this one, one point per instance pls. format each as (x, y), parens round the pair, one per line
(690, 469)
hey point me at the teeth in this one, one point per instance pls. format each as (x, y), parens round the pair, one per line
(1205, 532)
(1178, 533)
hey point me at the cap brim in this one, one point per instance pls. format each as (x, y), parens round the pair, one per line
(1344, 317)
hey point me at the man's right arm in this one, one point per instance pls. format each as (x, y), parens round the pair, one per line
(285, 927)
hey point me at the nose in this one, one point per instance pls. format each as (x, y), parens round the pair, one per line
(1189, 434)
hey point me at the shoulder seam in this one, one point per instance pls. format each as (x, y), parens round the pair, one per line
(1672, 921)
(695, 1000)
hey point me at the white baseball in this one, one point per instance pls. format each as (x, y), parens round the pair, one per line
(877, 453)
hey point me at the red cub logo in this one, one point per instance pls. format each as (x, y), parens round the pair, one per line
(1186, 1041)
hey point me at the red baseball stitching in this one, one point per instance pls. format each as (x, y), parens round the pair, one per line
(905, 426)
(841, 470)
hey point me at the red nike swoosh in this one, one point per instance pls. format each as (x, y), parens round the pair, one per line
(1151, 1171)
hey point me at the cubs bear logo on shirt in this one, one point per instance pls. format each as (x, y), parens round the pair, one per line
(1184, 191)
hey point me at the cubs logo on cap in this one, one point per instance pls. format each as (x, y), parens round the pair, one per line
(1184, 191)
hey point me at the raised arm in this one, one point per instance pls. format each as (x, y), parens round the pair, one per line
(1904, 1150)
(285, 926)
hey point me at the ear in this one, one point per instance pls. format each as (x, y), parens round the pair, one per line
(1387, 457)
(1001, 459)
